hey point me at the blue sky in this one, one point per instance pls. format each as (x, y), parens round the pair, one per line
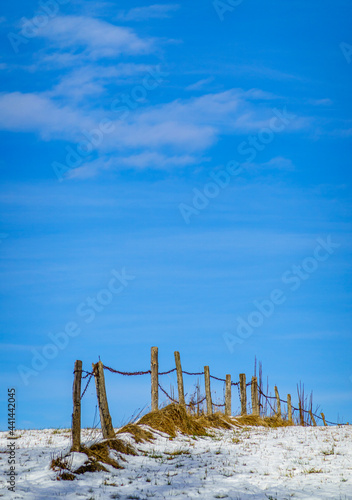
(204, 151)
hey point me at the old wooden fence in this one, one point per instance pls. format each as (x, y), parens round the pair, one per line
(105, 418)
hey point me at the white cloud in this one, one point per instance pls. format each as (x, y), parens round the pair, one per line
(264, 72)
(200, 83)
(36, 113)
(93, 38)
(278, 163)
(321, 102)
(157, 160)
(156, 11)
(143, 160)
(172, 134)
(91, 80)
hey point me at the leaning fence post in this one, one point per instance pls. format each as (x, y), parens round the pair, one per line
(105, 418)
(228, 396)
(289, 408)
(278, 412)
(323, 417)
(181, 394)
(254, 391)
(76, 415)
(312, 417)
(207, 390)
(243, 389)
(154, 378)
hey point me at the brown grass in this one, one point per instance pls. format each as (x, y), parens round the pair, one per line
(93, 466)
(58, 463)
(217, 420)
(98, 454)
(66, 476)
(140, 435)
(174, 418)
(252, 420)
(101, 451)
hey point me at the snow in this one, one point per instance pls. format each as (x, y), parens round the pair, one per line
(243, 463)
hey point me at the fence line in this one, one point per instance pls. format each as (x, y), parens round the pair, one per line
(98, 373)
(147, 372)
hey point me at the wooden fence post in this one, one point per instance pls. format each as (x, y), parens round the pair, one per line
(76, 415)
(312, 417)
(181, 394)
(301, 415)
(243, 390)
(323, 417)
(228, 396)
(278, 404)
(289, 408)
(155, 378)
(207, 390)
(105, 418)
(255, 402)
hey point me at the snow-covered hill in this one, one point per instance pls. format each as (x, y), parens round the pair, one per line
(243, 463)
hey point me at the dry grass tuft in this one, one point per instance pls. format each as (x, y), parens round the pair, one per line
(59, 463)
(174, 418)
(101, 451)
(93, 466)
(140, 435)
(66, 476)
(253, 420)
(98, 454)
(217, 420)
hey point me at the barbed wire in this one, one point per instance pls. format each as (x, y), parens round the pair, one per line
(297, 409)
(190, 373)
(217, 378)
(83, 371)
(166, 373)
(128, 374)
(219, 406)
(147, 372)
(167, 395)
(196, 403)
(86, 387)
(192, 403)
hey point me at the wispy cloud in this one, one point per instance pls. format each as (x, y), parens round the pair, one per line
(92, 80)
(93, 38)
(321, 102)
(278, 163)
(200, 83)
(265, 72)
(156, 11)
(37, 113)
(173, 133)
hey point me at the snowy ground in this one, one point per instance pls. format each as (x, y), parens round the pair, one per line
(255, 463)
